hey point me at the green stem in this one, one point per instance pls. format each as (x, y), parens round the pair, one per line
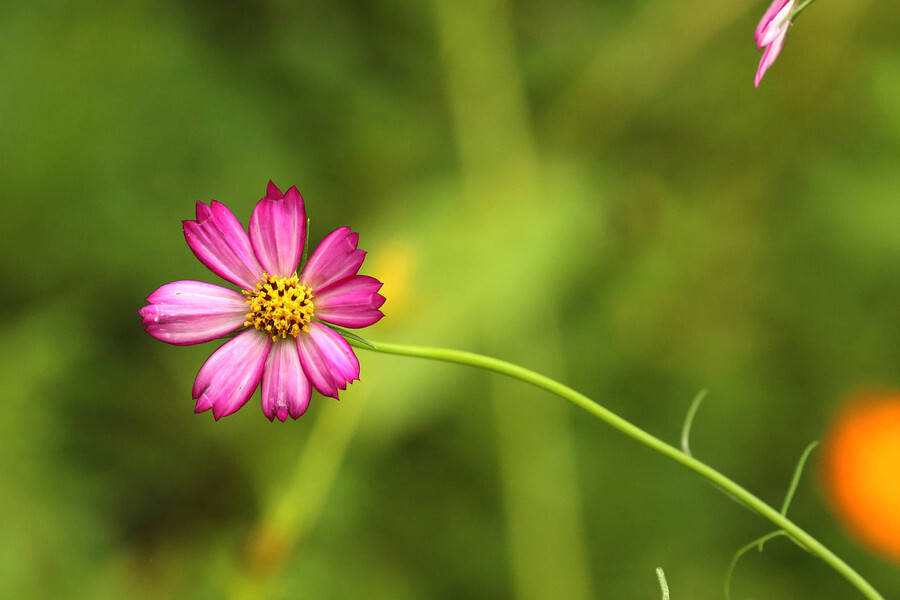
(744, 549)
(800, 8)
(715, 477)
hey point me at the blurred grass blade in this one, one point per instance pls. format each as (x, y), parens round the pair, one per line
(662, 583)
(689, 420)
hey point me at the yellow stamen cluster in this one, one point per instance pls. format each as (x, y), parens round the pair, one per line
(279, 306)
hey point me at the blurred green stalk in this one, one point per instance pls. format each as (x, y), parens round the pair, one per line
(542, 507)
(294, 509)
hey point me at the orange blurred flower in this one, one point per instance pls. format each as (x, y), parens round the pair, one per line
(862, 470)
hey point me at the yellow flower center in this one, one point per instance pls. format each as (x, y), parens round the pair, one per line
(279, 306)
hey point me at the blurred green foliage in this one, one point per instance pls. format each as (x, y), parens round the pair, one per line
(594, 190)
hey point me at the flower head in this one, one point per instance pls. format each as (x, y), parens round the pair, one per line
(770, 34)
(283, 343)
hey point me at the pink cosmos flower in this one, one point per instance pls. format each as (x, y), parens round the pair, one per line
(284, 343)
(770, 33)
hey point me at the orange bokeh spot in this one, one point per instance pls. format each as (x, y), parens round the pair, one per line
(862, 470)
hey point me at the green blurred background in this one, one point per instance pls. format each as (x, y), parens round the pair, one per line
(593, 190)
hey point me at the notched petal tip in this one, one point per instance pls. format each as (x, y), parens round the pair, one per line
(298, 411)
(351, 302)
(183, 313)
(203, 212)
(327, 359)
(231, 374)
(335, 258)
(149, 313)
(293, 194)
(204, 403)
(285, 387)
(278, 232)
(219, 241)
(272, 191)
(223, 410)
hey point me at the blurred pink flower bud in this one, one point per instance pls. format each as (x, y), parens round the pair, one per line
(770, 34)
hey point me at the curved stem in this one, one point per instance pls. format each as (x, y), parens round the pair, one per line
(743, 550)
(800, 8)
(713, 476)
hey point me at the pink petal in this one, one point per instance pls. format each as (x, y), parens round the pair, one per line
(334, 259)
(776, 27)
(229, 377)
(219, 242)
(769, 57)
(278, 231)
(768, 18)
(192, 312)
(327, 359)
(272, 192)
(351, 302)
(285, 388)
